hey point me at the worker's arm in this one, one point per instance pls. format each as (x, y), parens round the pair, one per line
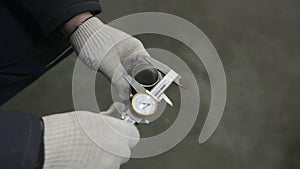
(21, 143)
(52, 15)
(71, 25)
(70, 140)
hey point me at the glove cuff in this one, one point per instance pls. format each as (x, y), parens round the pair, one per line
(94, 40)
(61, 140)
(84, 32)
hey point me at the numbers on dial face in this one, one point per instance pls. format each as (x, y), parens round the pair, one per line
(144, 104)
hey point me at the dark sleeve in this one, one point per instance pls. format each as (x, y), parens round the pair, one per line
(21, 140)
(51, 14)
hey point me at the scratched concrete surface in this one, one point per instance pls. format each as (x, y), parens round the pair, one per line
(258, 42)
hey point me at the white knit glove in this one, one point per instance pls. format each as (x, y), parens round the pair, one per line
(95, 141)
(104, 48)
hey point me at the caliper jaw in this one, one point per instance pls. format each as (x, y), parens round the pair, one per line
(163, 69)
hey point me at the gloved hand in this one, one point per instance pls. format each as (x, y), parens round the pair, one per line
(111, 51)
(86, 140)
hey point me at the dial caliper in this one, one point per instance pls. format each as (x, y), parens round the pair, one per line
(144, 103)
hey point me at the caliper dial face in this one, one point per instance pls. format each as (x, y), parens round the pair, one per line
(144, 104)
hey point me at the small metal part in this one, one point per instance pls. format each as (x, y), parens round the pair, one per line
(146, 75)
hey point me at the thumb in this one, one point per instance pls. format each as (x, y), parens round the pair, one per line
(121, 86)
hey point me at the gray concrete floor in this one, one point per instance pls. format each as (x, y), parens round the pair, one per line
(258, 42)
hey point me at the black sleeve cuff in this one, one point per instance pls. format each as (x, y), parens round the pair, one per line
(49, 15)
(53, 22)
(21, 140)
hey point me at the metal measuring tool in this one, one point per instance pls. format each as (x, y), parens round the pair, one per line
(144, 103)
